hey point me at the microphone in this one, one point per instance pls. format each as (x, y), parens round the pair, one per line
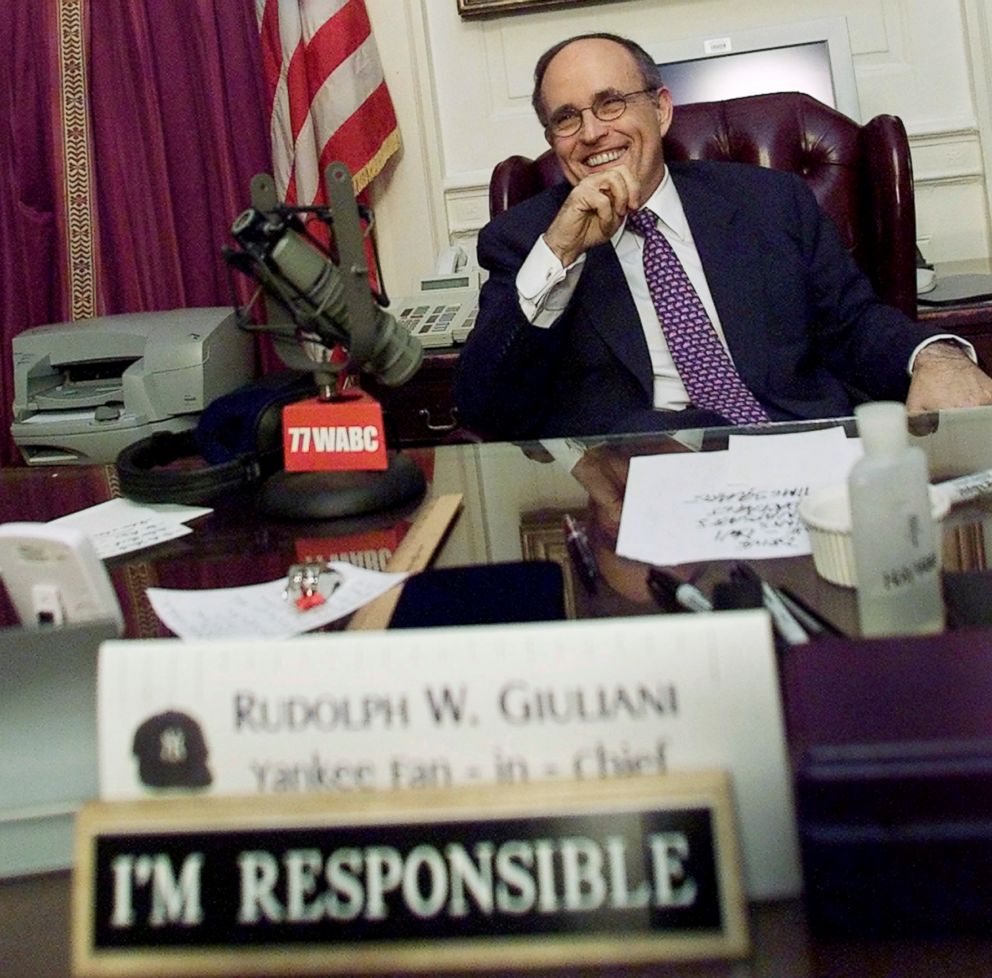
(328, 303)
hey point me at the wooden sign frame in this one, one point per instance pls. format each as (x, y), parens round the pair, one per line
(624, 871)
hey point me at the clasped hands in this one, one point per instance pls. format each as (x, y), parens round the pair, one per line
(592, 212)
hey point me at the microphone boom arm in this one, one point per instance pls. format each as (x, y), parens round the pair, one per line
(353, 267)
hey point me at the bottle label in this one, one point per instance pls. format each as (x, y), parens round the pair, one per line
(908, 574)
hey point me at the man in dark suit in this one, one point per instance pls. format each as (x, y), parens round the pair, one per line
(568, 341)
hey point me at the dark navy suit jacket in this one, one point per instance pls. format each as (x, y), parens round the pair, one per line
(802, 322)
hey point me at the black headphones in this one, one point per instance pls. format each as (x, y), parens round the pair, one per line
(239, 436)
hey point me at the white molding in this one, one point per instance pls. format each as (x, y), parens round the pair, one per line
(952, 155)
(977, 20)
(427, 118)
(923, 134)
(467, 208)
(950, 178)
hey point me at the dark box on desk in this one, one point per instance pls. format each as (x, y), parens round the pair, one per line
(891, 744)
(482, 594)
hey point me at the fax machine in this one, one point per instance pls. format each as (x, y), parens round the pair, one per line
(85, 390)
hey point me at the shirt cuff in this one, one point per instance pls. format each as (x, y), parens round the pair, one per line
(964, 344)
(544, 285)
(565, 451)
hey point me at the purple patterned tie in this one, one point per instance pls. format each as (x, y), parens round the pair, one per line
(709, 375)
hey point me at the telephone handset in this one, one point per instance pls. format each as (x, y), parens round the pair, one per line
(443, 311)
(926, 277)
(450, 260)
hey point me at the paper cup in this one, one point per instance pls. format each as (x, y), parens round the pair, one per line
(826, 514)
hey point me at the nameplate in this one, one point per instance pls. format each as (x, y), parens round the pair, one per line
(423, 708)
(541, 875)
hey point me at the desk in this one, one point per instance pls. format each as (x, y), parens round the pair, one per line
(421, 412)
(34, 943)
(514, 498)
(969, 320)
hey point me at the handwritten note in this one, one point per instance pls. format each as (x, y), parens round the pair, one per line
(260, 610)
(738, 504)
(750, 518)
(119, 526)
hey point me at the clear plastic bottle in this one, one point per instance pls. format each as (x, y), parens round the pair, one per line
(895, 541)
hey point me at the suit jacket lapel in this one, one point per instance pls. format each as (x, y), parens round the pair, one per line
(603, 302)
(608, 307)
(732, 261)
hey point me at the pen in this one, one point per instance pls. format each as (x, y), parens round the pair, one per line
(813, 622)
(666, 587)
(583, 559)
(783, 619)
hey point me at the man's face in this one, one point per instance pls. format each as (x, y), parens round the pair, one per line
(576, 77)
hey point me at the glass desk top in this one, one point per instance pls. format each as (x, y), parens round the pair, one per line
(515, 497)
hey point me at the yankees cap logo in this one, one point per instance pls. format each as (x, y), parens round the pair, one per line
(171, 752)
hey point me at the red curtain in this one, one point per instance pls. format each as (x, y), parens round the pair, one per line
(129, 132)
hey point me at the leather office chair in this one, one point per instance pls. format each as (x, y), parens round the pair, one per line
(861, 175)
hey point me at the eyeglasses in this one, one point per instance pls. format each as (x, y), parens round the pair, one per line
(607, 107)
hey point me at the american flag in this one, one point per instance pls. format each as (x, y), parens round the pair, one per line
(329, 100)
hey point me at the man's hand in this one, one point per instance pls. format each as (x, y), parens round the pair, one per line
(592, 212)
(944, 376)
(602, 472)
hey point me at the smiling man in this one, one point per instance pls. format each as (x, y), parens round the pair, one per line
(644, 296)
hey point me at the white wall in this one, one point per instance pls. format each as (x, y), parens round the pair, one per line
(462, 94)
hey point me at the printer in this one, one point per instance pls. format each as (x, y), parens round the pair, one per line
(85, 390)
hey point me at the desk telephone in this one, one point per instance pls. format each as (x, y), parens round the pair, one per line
(443, 311)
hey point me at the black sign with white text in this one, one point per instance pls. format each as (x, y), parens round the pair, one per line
(636, 872)
(636, 869)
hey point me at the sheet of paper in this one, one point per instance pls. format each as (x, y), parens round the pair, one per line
(45, 417)
(739, 504)
(119, 526)
(260, 611)
(485, 704)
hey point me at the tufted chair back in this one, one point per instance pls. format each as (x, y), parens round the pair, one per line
(861, 175)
